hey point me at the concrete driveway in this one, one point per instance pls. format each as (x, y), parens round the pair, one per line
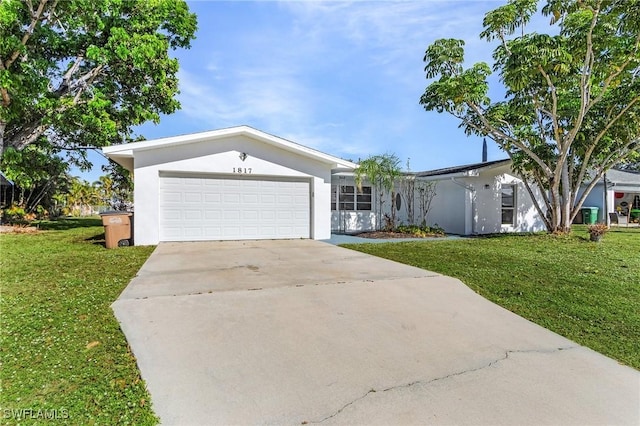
(303, 332)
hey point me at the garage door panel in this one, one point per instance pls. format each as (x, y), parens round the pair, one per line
(203, 208)
(173, 197)
(232, 231)
(212, 215)
(212, 232)
(171, 214)
(267, 199)
(193, 215)
(193, 232)
(212, 198)
(252, 215)
(231, 198)
(232, 215)
(250, 198)
(193, 197)
(172, 182)
(267, 215)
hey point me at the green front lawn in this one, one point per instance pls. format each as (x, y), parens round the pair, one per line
(62, 349)
(587, 292)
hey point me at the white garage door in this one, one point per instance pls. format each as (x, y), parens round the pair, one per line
(205, 208)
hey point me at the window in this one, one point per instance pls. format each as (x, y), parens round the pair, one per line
(350, 198)
(508, 204)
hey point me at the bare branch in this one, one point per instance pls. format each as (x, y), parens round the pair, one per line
(585, 86)
(553, 114)
(26, 135)
(35, 17)
(499, 136)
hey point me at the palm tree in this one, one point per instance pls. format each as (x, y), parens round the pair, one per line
(81, 196)
(382, 171)
(105, 188)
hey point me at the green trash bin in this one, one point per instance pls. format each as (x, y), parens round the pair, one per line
(589, 215)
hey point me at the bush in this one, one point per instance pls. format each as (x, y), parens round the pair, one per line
(15, 215)
(420, 231)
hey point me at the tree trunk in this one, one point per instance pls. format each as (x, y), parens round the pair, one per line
(3, 125)
(565, 216)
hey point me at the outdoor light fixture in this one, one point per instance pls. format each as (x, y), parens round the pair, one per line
(243, 156)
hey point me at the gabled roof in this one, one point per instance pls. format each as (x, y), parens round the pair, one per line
(124, 153)
(462, 169)
(623, 177)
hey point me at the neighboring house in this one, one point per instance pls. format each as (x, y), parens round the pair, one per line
(229, 184)
(6, 186)
(479, 198)
(622, 194)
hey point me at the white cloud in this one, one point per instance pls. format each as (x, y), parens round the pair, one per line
(342, 77)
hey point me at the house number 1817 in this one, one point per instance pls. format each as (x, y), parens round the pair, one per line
(242, 170)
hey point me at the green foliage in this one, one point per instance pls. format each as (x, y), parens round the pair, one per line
(421, 231)
(14, 214)
(84, 73)
(80, 197)
(586, 292)
(39, 174)
(62, 348)
(572, 106)
(116, 187)
(382, 171)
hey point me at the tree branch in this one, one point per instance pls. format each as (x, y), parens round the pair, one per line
(35, 17)
(608, 80)
(25, 135)
(553, 114)
(499, 136)
(599, 136)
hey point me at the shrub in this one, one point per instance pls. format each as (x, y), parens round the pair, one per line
(597, 231)
(14, 214)
(420, 231)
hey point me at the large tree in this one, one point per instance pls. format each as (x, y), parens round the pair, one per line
(82, 73)
(572, 104)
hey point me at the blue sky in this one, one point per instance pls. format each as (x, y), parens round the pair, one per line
(343, 78)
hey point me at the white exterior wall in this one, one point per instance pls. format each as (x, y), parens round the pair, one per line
(220, 158)
(489, 206)
(473, 205)
(349, 222)
(463, 205)
(448, 208)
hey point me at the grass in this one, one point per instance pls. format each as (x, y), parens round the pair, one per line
(62, 349)
(588, 292)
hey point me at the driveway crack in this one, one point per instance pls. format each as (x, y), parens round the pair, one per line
(506, 356)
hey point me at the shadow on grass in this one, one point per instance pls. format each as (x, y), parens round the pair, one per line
(625, 229)
(506, 235)
(64, 224)
(98, 240)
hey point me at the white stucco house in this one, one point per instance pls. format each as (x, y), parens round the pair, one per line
(229, 184)
(241, 183)
(479, 198)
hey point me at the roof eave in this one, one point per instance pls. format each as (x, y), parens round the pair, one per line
(130, 149)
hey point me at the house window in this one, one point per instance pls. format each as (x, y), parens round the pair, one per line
(350, 198)
(508, 204)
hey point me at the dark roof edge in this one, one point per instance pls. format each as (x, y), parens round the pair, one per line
(464, 168)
